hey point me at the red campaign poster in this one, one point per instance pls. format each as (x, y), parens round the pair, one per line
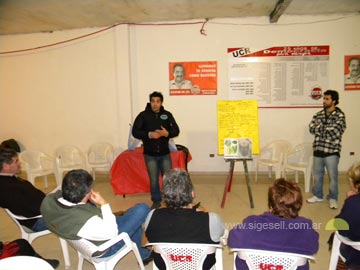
(193, 78)
(352, 72)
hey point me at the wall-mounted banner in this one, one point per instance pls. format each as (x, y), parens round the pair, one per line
(279, 77)
(352, 72)
(193, 78)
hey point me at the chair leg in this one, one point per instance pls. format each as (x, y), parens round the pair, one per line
(138, 257)
(46, 181)
(80, 261)
(256, 172)
(335, 252)
(31, 179)
(307, 180)
(65, 252)
(57, 179)
(297, 176)
(219, 259)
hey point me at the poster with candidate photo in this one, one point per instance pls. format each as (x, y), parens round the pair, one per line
(193, 78)
(352, 72)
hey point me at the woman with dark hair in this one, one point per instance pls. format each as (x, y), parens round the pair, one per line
(280, 228)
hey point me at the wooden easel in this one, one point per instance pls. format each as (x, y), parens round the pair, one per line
(230, 178)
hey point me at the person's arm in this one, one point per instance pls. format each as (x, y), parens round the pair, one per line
(138, 130)
(216, 226)
(316, 126)
(173, 127)
(334, 129)
(100, 228)
(97, 228)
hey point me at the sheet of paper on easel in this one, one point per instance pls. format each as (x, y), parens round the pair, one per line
(237, 148)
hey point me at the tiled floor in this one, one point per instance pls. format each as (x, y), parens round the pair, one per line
(209, 190)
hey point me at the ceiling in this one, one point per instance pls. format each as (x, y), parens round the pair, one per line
(31, 16)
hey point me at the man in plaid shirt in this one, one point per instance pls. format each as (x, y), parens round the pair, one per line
(327, 126)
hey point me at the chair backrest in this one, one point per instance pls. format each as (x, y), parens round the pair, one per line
(185, 256)
(335, 251)
(100, 153)
(23, 229)
(261, 259)
(68, 155)
(92, 253)
(278, 148)
(24, 262)
(301, 153)
(36, 160)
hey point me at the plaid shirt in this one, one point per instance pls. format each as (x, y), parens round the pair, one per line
(329, 132)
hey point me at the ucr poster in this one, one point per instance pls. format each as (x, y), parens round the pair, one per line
(283, 76)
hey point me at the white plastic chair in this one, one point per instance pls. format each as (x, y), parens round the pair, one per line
(263, 259)
(100, 157)
(24, 262)
(30, 235)
(335, 251)
(272, 155)
(187, 256)
(300, 158)
(38, 164)
(89, 251)
(67, 158)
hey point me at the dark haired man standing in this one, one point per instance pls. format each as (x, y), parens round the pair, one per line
(328, 126)
(155, 126)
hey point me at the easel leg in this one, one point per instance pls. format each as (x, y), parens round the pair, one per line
(228, 182)
(248, 183)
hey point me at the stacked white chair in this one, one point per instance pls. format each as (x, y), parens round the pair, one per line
(37, 164)
(272, 156)
(67, 158)
(100, 157)
(300, 159)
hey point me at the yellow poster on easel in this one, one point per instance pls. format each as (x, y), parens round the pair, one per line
(238, 119)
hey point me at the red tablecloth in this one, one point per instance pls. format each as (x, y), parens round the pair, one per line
(129, 174)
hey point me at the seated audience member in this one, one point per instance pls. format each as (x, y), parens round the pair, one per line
(279, 229)
(72, 214)
(21, 247)
(180, 221)
(350, 213)
(19, 195)
(354, 179)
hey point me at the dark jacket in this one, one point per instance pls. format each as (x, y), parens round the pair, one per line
(21, 198)
(148, 121)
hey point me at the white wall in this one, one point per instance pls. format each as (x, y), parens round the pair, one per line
(90, 89)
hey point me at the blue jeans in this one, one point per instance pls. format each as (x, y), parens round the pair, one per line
(155, 166)
(131, 223)
(39, 225)
(331, 165)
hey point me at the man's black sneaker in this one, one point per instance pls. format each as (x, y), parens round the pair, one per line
(53, 263)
